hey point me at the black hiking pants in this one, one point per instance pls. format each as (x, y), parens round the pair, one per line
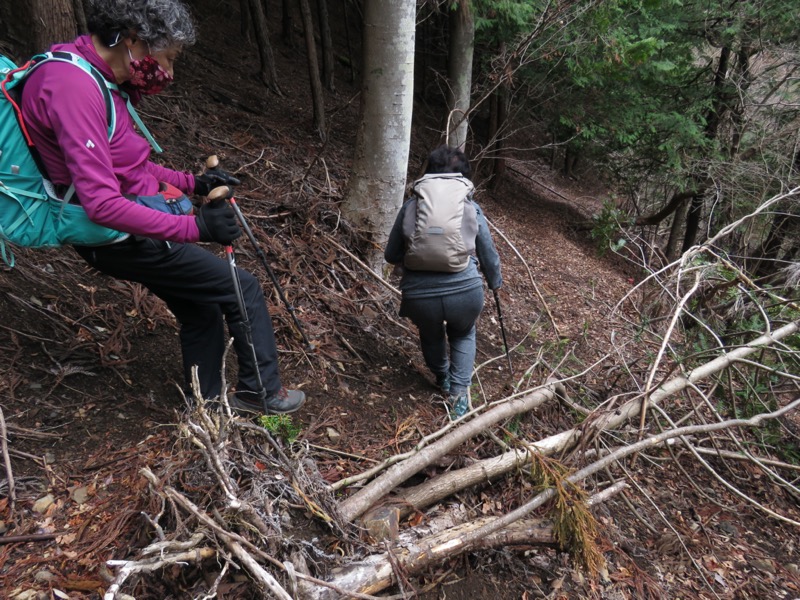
(198, 289)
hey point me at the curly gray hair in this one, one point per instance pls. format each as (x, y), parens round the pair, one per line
(160, 23)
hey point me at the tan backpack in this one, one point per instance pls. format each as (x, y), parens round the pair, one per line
(440, 224)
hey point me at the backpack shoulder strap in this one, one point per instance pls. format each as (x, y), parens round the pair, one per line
(135, 116)
(83, 64)
(105, 86)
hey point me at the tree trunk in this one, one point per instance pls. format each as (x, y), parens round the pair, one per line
(287, 23)
(80, 16)
(459, 73)
(714, 117)
(677, 201)
(678, 221)
(317, 97)
(693, 216)
(377, 184)
(745, 78)
(245, 20)
(327, 44)
(268, 74)
(421, 74)
(571, 156)
(441, 542)
(766, 259)
(497, 119)
(350, 59)
(499, 151)
(677, 205)
(53, 21)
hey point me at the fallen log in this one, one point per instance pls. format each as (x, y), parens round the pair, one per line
(483, 471)
(413, 554)
(376, 572)
(357, 504)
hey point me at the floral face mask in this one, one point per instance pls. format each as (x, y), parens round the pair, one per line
(147, 75)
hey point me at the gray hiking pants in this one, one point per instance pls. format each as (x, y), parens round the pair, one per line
(447, 319)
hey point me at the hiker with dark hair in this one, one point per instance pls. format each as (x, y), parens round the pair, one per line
(441, 239)
(448, 160)
(133, 44)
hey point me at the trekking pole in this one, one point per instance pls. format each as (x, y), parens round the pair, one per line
(503, 330)
(221, 194)
(211, 163)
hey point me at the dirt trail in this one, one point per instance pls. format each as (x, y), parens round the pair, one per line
(88, 381)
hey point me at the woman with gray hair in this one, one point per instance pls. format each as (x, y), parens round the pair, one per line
(132, 46)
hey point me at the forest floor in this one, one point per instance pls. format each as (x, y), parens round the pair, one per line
(89, 379)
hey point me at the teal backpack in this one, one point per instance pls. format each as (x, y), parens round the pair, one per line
(31, 212)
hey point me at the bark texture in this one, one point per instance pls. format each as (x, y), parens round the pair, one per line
(459, 74)
(268, 74)
(377, 184)
(53, 21)
(327, 44)
(317, 97)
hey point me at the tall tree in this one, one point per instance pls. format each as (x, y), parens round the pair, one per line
(498, 115)
(287, 23)
(245, 20)
(459, 72)
(380, 165)
(317, 96)
(327, 44)
(268, 73)
(681, 102)
(498, 24)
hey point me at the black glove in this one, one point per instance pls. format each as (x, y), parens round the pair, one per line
(212, 178)
(217, 223)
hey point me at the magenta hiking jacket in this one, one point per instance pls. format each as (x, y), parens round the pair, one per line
(65, 114)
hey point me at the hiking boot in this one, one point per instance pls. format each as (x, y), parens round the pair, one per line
(443, 382)
(458, 406)
(285, 401)
(282, 402)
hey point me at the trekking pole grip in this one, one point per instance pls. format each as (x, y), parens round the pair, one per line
(222, 192)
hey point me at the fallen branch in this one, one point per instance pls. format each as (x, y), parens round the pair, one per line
(374, 575)
(35, 537)
(361, 501)
(131, 567)
(376, 572)
(234, 543)
(737, 456)
(364, 266)
(242, 548)
(485, 470)
(12, 495)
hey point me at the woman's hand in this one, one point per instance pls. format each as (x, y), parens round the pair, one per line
(212, 178)
(217, 223)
